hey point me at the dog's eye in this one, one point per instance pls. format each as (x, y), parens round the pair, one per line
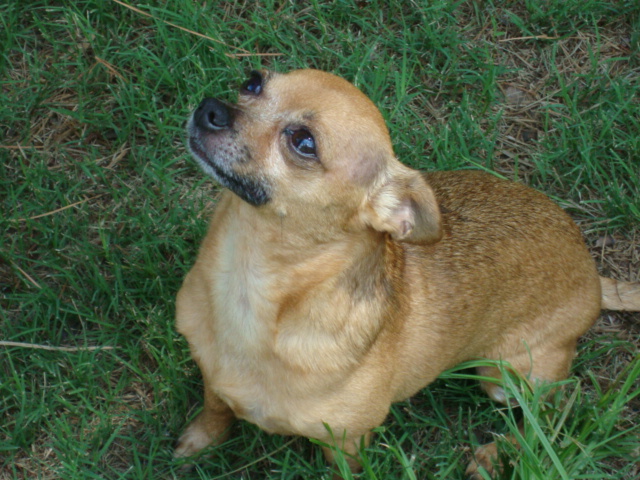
(302, 142)
(253, 85)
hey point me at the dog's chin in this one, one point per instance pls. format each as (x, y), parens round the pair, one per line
(253, 191)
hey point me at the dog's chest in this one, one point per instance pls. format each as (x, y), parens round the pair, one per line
(244, 310)
(249, 377)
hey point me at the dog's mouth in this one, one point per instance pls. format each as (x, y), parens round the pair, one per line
(252, 190)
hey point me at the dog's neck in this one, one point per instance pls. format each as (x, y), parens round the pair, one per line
(293, 239)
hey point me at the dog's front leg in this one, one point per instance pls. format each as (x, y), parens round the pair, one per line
(211, 426)
(350, 446)
(486, 456)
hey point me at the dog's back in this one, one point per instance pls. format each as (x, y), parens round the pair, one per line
(511, 279)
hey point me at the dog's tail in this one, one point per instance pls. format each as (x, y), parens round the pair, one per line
(617, 295)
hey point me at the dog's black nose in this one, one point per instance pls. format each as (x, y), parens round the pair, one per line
(212, 115)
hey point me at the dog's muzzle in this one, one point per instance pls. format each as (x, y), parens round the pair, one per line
(214, 144)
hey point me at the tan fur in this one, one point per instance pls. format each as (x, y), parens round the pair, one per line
(361, 280)
(617, 295)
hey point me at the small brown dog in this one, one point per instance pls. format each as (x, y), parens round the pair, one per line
(335, 281)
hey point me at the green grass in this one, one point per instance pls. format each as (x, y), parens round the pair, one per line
(103, 211)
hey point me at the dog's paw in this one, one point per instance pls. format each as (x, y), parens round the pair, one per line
(195, 438)
(486, 457)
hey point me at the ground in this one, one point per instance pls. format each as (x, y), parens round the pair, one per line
(103, 211)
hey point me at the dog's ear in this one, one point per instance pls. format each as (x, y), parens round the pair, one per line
(405, 206)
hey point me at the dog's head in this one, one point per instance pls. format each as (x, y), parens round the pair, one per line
(308, 144)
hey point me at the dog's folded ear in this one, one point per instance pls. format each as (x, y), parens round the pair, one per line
(405, 206)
